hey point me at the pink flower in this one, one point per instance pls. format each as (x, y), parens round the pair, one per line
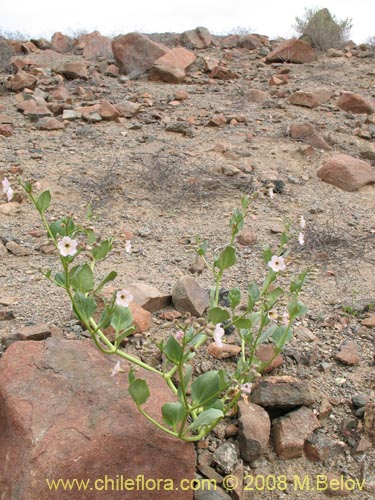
(117, 369)
(67, 246)
(285, 320)
(303, 222)
(301, 239)
(7, 189)
(179, 335)
(277, 263)
(128, 246)
(271, 193)
(246, 388)
(123, 298)
(218, 335)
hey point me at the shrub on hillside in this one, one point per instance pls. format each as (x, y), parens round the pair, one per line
(6, 52)
(322, 29)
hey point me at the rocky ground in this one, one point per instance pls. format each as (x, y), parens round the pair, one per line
(173, 166)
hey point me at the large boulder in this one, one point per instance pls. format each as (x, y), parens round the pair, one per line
(346, 172)
(171, 67)
(94, 45)
(292, 51)
(62, 416)
(199, 38)
(136, 53)
(355, 103)
(61, 43)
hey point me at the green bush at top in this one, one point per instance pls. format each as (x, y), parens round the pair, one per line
(322, 29)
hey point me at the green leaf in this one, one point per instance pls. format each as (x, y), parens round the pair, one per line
(253, 295)
(284, 237)
(247, 335)
(57, 228)
(82, 278)
(121, 318)
(173, 350)
(296, 285)
(207, 417)
(101, 251)
(282, 335)
(226, 259)
(205, 388)
(139, 391)
(84, 306)
(131, 377)
(296, 308)
(91, 236)
(43, 201)
(266, 334)
(60, 279)
(242, 322)
(234, 297)
(202, 248)
(173, 414)
(267, 254)
(218, 315)
(110, 277)
(244, 203)
(48, 274)
(188, 374)
(105, 318)
(274, 295)
(126, 333)
(28, 187)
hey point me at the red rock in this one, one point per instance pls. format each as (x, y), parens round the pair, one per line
(35, 110)
(16, 249)
(355, 103)
(250, 42)
(200, 38)
(319, 448)
(171, 66)
(369, 421)
(290, 431)
(29, 47)
(128, 109)
(223, 73)
(28, 333)
(281, 392)
(348, 354)
(369, 322)
(256, 95)
(6, 130)
(310, 99)
(189, 296)
(148, 297)
(247, 238)
(226, 351)
(107, 111)
(181, 95)
(278, 80)
(94, 45)
(73, 70)
(217, 120)
(61, 43)
(142, 319)
(88, 427)
(136, 53)
(306, 133)
(254, 431)
(294, 51)
(112, 70)
(265, 353)
(61, 93)
(346, 172)
(22, 80)
(50, 123)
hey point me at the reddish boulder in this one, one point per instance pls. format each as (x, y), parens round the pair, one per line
(22, 80)
(50, 123)
(6, 130)
(310, 98)
(73, 70)
(254, 430)
(250, 42)
(94, 45)
(306, 133)
(61, 43)
(136, 53)
(293, 51)
(200, 38)
(107, 111)
(355, 103)
(346, 172)
(63, 417)
(172, 65)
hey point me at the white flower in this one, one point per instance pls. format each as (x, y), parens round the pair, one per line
(272, 315)
(271, 193)
(277, 263)
(303, 222)
(301, 239)
(67, 246)
(7, 189)
(218, 335)
(123, 298)
(246, 388)
(117, 369)
(128, 246)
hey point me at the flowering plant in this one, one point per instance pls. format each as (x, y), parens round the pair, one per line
(198, 403)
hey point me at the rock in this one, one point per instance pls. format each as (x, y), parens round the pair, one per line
(197, 266)
(348, 354)
(50, 123)
(281, 392)
(189, 296)
(211, 494)
(217, 120)
(223, 73)
(73, 70)
(148, 297)
(171, 66)
(290, 431)
(17, 249)
(70, 114)
(9, 208)
(6, 130)
(88, 427)
(35, 332)
(223, 352)
(247, 238)
(36, 109)
(306, 133)
(276, 80)
(128, 108)
(265, 352)
(319, 448)
(61, 93)
(41, 43)
(294, 51)
(3, 250)
(250, 42)
(369, 322)
(369, 421)
(335, 485)
(107, 111)
(89, 113)
(254, 431)
(256, 95)
(94, 46)
(61, 43)
(200, 38)
(304, 334)
(367, 151)
(346, 172)
(136, 53)
(22, 80)
(226, 456)
(310, 99)
(355, 103)
(211, 474)
(142, 319)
